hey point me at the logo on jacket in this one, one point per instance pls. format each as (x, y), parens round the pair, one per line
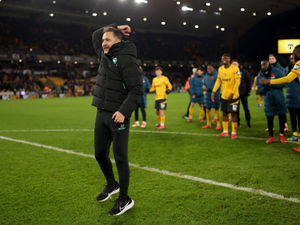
(272, 75)
(115, 60)
(296, 67)
(212, 78)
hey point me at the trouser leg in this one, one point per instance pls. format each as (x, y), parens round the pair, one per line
(120, 148)
(270, 125)
(246, 108)
(102, 142)
(282, 121)
(293, 117)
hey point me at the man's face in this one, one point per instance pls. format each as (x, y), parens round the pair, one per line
(264, 65)
(210, 69)
(158, 73)
(225, 60)
(235, 63)
(194, 71)
(292, 59)
(272, 59)
(296, 54)
(199, 72)
(108, 40)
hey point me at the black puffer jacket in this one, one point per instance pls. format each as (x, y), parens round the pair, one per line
(246, 83)
(119, 85)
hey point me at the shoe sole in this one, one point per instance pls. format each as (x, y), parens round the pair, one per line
(126, 208)
(110, 194)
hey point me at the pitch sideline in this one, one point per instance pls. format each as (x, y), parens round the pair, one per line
(164, 172)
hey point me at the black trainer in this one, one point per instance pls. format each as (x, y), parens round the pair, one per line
(108, 191)
(121, 206)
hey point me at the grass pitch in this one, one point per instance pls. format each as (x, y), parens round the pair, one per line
(40, 186)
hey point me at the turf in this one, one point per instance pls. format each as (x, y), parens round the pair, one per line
(40, 186)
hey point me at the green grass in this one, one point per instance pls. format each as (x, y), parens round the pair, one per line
(40, 186)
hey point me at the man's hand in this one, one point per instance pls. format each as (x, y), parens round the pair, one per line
(125, 29)
(118, 117)
(205, 89)
(264, 81)
(230, 97)
(212, 97)
(194, 96)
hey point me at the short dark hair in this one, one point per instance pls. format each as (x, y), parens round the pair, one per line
(159, 68)
(201, 68)
(226, 55)
(117, 33)
(273, 56)
(297, 47)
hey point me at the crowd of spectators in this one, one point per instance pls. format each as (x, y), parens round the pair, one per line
(177, 54)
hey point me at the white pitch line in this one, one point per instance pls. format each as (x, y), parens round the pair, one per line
(164, 172)
(136, 131)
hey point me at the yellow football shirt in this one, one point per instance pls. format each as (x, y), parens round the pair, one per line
(230, 78)
(159, 85)
(290, 77)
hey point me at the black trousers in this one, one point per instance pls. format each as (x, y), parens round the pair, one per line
(295, 119)
(136, 111)
(244, 100)
(282, 119)
(107, 132)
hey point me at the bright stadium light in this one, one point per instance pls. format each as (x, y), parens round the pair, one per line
(243, 9)
(145, 19)
(94, 14)
(184, 23)
(254, 14)
(269, 13)
(141, 1)
(196, 26)
(20, 60)
(51, 14)
(128, 19)
(163, 23)
(40, 61)
(54, 2)
(178, 2)
(217, 26)
(208, 4)
(58, 62)
(185, 8)
(76, 62)
(104, 13)
(217, 13)
(220, 9)
(202, 11)
(222, 29)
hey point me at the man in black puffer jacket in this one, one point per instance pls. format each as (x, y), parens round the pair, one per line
(117, 91)
(244, 90)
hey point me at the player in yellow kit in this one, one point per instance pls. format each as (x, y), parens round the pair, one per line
(289, 78)
(230, 78)
(161, 85)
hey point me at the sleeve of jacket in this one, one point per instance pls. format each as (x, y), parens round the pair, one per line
(148, 85)
(97, 39)
(249, 82)
(134, 84)
(260, 88)
(277, 76)
(192, 87)
(217, 83)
